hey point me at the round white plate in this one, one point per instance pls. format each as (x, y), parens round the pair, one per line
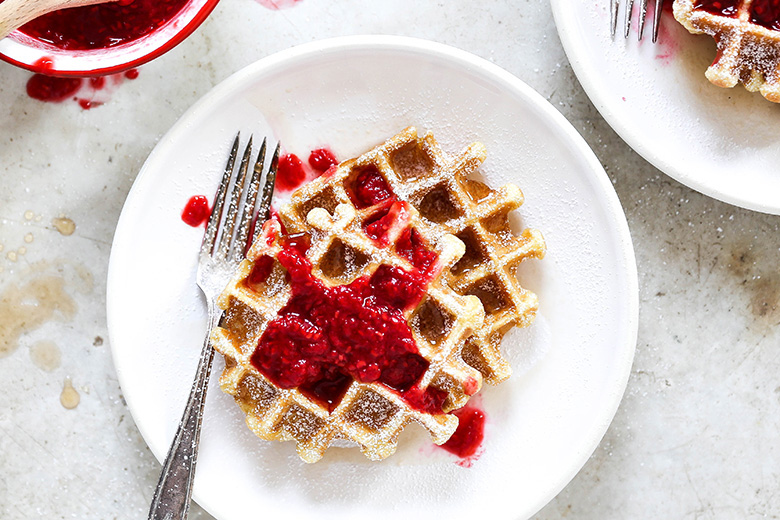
(571, 365)
(721, 142)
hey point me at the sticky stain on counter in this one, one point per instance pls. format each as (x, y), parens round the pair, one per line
(46, 355)
(64, 225)
(26, 307)
(765, 298)
(69, 398)
(763, 286)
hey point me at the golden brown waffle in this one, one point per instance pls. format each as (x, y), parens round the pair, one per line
(748, 40)
(440, 187)
(369, 414)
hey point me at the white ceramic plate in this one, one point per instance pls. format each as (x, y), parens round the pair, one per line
(571, 366)
(721, 142)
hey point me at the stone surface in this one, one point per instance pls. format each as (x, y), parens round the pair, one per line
(695, 437)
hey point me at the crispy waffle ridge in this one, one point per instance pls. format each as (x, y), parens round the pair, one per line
(449, 201)
(369, 414)
(747, 51)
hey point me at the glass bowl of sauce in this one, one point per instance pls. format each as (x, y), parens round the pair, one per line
(103, 39)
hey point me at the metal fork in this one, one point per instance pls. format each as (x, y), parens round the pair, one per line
(224, 246)
(658, 9)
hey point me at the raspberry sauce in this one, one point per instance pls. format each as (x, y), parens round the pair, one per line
(197, 211)
(721, 7)
(370, 188)
(766, 13)
(467, 439)
(51, 89)
(105, 25)
(326, 337)
(290, 173)
(321, 159)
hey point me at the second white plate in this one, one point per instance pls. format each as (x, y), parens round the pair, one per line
(571, 365)
(720, 142)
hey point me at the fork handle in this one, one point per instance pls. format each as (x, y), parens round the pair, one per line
(172, 497)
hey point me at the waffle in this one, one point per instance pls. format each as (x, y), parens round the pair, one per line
(747, 33)
(417, 171)
(369, 414)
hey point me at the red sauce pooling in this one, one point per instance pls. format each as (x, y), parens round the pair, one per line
(131, 74)
(105, 25)
(411, 246)
(721, 7)
(260, 272)
(197, 211)
(379, 224)
(370, 188)
(326, 337)
(321, 159)
(51, 89)
(468, 438)
(766, 13)
(290, 173)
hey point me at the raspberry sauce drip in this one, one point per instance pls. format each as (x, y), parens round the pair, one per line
(51, 89)
(321, 159)
(468, 438)
(105, 25)
(766, 13)
(290, 173)
(197, 211)
(326, 337)
(722, 7)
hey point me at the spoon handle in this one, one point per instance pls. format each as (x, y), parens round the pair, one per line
(15, 13)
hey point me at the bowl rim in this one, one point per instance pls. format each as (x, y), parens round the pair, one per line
(93, 65)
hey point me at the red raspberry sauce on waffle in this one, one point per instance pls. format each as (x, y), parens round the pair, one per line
(766, 13)
(326, 337)
(101, 26)
(197, 211)
(720, 7)
(370, 188)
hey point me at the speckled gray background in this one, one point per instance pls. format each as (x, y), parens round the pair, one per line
(696, 436)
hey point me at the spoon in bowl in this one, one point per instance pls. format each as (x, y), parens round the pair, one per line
(15, 13)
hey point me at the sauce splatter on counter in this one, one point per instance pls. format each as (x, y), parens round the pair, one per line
(276, 5)
(88, 93)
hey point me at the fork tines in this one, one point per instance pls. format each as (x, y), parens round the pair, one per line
(222, 237)
(629, 10)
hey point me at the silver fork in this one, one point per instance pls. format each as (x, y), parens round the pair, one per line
(615, 4)
(224, 246)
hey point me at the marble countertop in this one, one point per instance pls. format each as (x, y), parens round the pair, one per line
(696, 435)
